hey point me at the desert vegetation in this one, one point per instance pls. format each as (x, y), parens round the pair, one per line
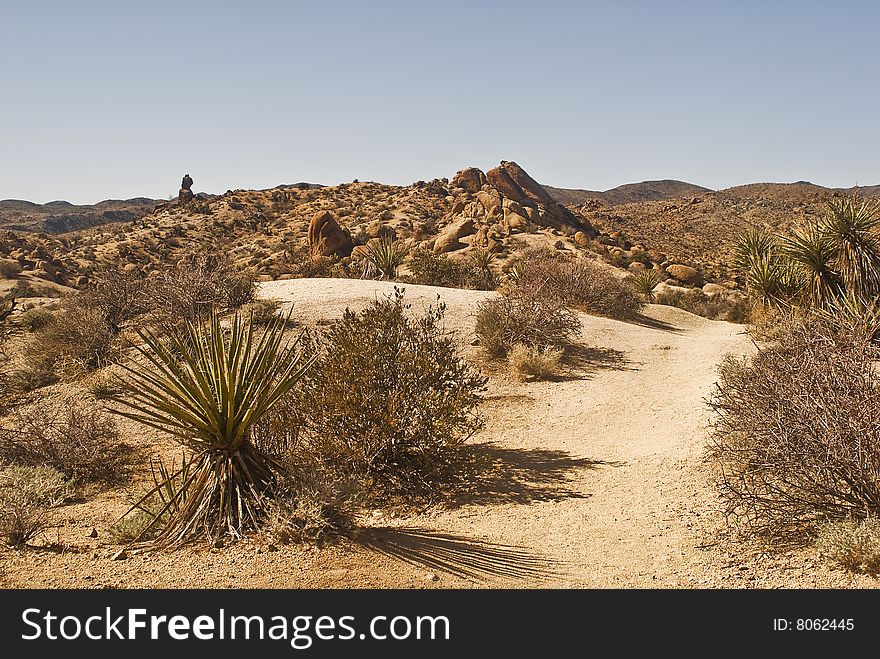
(797, 432)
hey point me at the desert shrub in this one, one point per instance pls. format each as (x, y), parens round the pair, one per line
(208, 389)
(528, 362)
(388, 401)
(852, 544)
(72, 436)
(27, 494)
(35, 319)
(197, 285)
(531, 315)
(797, 432)
(9, 269)
(119, 296)
(261, 312)
(313, 506)
(715, 307)
(78, 339)
(298, 260)
(579, 283)
(433, 269)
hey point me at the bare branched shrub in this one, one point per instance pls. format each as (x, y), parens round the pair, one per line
(797, 434)
(580, 283)
(532, 315)
(852, 544)
(530, 363)
(27, 495)
(118, 294)
(72, 436)
(76, 340)
(313, 506)
(197, 285)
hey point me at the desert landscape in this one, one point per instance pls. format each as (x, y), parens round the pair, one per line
(476, 381)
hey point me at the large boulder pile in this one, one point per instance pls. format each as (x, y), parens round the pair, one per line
(503, 201)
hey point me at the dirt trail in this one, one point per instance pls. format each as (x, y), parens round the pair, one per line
(594, 480)
(598, 476)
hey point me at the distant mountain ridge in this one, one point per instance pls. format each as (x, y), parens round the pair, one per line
(628, 193)
(61, 216)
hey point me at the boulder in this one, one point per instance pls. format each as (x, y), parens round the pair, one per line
(326, 237)
(470, 179)
(527, 185)
(491, 202)
(714, 289)
(685, 274)
(448, 240)
(501, 181)
(185, 196)
(379, 230)
(581, 239)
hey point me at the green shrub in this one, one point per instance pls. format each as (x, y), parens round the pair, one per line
(431, 269)
(715, 307)
(27, 494)
(389, 400)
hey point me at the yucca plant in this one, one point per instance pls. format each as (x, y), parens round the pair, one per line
(812, 254)
(754, 245)
(853, 228)
(644, 282)
(208, 391)
(482, 260)
(386, 256)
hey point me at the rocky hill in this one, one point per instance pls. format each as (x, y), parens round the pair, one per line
(627, 194)
(703, 228)
(502, 210)
(62, 216)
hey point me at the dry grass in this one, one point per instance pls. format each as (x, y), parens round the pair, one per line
(852, 544)
(27, 495)
(530, 363)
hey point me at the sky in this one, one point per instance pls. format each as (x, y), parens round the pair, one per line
(120, 99)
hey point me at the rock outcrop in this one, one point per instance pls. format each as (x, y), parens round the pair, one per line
(186, 194)
(510, 193)
(470, 179)
(327, 238)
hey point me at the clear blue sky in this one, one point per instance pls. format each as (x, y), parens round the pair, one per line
(120, 99)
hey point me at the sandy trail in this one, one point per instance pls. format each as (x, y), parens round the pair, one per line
(599, 474)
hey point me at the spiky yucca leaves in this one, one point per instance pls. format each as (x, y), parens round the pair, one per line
(207, 391)
(386, 256)
(644, 282)
(812, 253)
(755, 245)
(768, 274)
(482, 260)
(854, 230)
